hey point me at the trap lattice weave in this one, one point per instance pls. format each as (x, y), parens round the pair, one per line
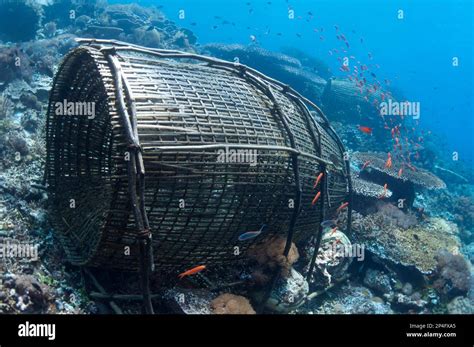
(187, 111)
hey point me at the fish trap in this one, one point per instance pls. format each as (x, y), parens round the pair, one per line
(184, 151)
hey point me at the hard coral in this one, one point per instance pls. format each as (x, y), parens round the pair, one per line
(394, 215)
(413, 248)
(453, 276)
(376, 161)
(231, 304)
(368, 189)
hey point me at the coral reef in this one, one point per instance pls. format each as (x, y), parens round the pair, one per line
(400, 179)
(415, 247)
(285, 68)
(14, 63)
(189, 301)
(351, 299)
(452, 275)
(288, 293)
(332, 261)
(378, 281)
(6, 107)
(409, 303)
(317, 65)
(342, 99)
(269, 256)
(363, 188)
(376, 161)
(29, 56)
(461, 305)
(231, 304)
(392, 215)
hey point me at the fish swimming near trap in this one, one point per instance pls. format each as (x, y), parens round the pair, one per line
(185, 151)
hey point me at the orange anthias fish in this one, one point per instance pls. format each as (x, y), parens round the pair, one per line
(365, 130)
(365, 165)
(192, 271)
(316, 197)
(384, 191)
(388, 163)
(400, 172)
(318, 179)
(344, 205)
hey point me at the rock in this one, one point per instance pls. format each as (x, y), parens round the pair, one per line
(18, 144)
(406, 303)
(30, 100)
(190, 301)
(353, 299)
(28, 285)
(333, 257)
(407, 289)
(288, 293)
(378, 281)
(30, 121)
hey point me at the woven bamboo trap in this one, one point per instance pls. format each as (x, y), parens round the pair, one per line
(150, 162)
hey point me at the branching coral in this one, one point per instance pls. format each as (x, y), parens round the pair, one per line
(231, 304)
(453, 276)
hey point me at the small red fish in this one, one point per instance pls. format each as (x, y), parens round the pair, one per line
(400, 172)
(388, 163)
(344, 205)
(318, 179)
(365, 130)
(384, 191)
(333, 230)
(192, 271)
(365, 165)
(315, 199)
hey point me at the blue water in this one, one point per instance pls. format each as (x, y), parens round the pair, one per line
(414, 53)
